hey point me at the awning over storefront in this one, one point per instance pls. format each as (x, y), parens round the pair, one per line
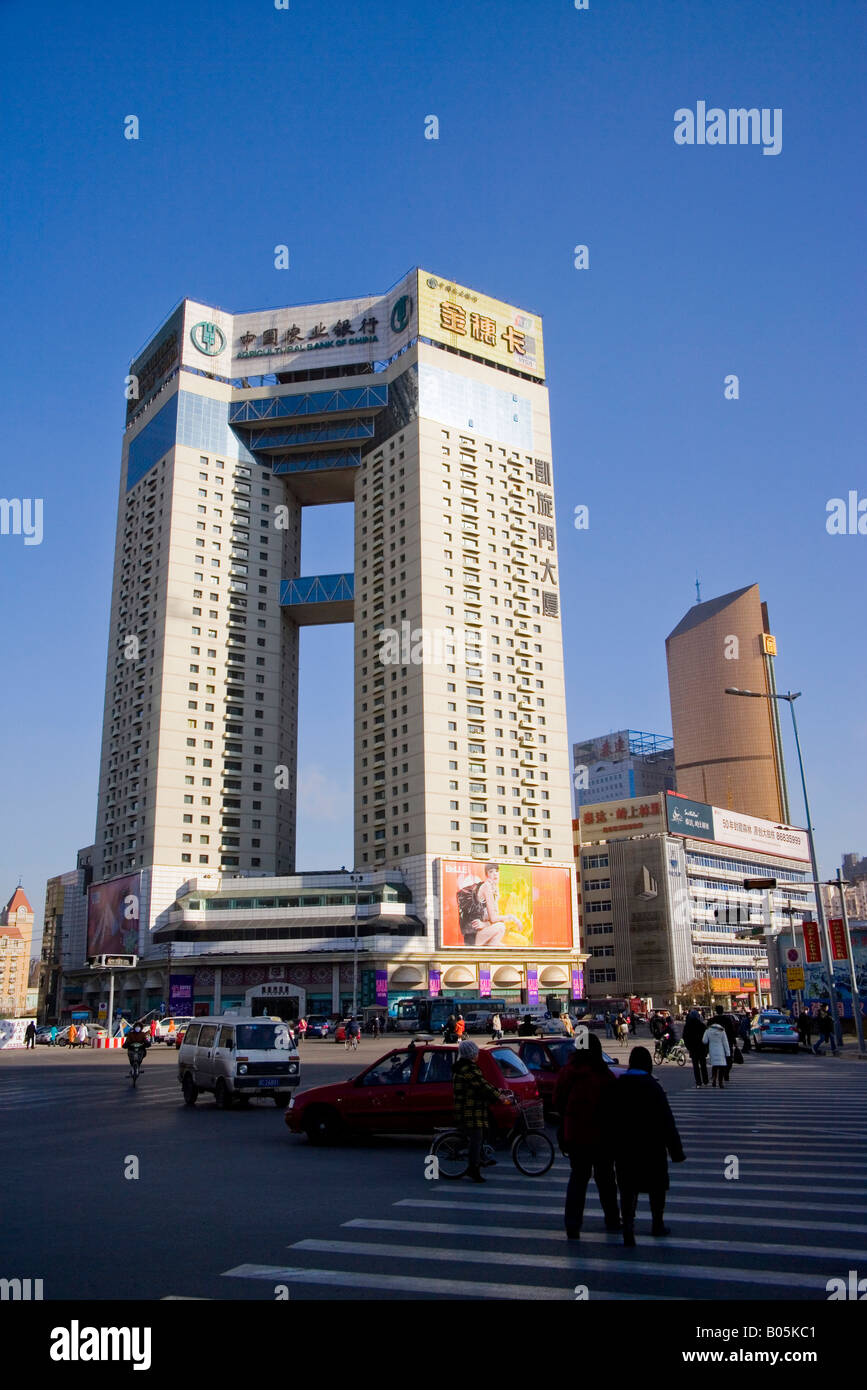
(459, 975)
(408, 975)
(554, 975)
(508, 975)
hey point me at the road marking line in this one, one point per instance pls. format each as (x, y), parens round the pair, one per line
(448, 1288)
(699, 1218)
(810, 1252)
(784, 1278)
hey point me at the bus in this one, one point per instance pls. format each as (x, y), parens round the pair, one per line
(420, 1014)
(593, 1011)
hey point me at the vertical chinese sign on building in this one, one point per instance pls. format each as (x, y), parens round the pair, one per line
(382, 986)
(484, 981)
(433, 983)
(532, 984)
(577, 982)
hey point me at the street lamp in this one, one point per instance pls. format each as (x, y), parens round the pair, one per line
(790, 697)
(356, 879)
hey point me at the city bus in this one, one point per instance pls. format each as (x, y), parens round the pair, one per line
(419, 1014)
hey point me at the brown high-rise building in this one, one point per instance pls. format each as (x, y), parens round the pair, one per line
(725, 751)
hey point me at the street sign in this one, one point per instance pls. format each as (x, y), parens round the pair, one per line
(795, 977)
(793, 956)
(113, 962)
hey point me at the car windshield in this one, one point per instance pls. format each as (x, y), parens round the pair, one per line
(263, 1037)
(561, 1052)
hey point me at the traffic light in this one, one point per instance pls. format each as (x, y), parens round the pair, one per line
(760, 883)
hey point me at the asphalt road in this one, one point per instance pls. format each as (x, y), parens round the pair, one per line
(229, 1205)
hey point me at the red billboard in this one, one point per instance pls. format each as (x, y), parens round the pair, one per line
(519, 906)
(838, 938)
(812, 948)
(113, 917)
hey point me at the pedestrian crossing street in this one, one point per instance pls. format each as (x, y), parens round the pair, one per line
(794, 1217)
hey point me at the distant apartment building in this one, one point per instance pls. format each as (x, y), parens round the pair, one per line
(662, 897)
(623, 764)
(726, 749)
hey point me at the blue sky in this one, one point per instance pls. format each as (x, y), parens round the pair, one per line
(306, 127)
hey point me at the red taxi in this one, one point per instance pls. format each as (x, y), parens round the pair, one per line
(545, 1057)
(408, 1091)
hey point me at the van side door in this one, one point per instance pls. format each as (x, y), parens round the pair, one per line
(223, 1059)
(203, 1066)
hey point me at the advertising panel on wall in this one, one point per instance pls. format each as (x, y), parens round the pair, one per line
(366, 328)
(476, 323)
(512, 905)
(752, 833)
(181, 995)
(608, 819)
(686, 817)
(113, 916)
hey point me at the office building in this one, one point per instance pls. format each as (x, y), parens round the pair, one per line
(623, 764)
(663, 905)
(726, 750)
(425, 407)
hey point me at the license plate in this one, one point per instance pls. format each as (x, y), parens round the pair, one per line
(269, 1081)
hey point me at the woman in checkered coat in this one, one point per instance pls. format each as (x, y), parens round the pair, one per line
(473, 1095)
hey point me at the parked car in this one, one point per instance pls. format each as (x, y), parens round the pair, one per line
(237, 1056)
(772, 1028)
(319, 1026)
(167, 1027)
(545, 1057)
(409, 1090)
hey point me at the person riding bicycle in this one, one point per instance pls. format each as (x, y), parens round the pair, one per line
(668, 1037)
(352, 1033)
(473, 1095)
(136, 1042)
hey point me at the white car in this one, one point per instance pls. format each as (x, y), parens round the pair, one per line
(168, 1027)
(774, 1029)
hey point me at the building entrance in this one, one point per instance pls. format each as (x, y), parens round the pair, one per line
(281, 1006)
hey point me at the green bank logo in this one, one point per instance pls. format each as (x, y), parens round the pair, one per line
(208, 338)
(400, 313)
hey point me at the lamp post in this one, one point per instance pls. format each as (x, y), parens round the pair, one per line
(355, 879)
(856, 996)
(825, 943)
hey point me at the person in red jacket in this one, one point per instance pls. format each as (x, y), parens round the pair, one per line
(578, 1094)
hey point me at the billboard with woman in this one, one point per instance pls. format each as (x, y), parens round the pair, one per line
(518, 906)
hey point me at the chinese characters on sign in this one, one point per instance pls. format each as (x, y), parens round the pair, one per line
(838, 939)
(453, 318)
(633, 813)
(318, 336)
(812, 949)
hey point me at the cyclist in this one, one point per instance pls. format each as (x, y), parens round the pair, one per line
(137, 1043)
(473, 1095)
(351, 1034)
(668, 1037)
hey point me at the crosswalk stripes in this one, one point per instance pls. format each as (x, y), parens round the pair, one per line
(795, 1217)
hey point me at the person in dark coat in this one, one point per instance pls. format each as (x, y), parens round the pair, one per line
(825, 1029)
(638, 1127)
(578, 1095)
(693, 1041)
(805, 1027)
(450, 1032)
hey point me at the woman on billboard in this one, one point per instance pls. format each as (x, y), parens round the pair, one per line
(479, 913)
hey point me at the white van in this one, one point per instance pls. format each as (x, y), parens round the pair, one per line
(238, 1056)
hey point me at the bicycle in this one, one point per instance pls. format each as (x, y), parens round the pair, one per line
(136, 1057)
(677, 1053)
(531, 1149)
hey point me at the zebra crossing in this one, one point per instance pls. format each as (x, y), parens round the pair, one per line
(769, 1205)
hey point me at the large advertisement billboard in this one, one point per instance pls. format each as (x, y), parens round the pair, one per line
(749, 832)
(519, 906)
(463, 318)
(113, 916)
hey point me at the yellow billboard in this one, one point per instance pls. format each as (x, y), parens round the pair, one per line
(475, 323)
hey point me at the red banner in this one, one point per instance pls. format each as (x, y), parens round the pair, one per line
(812, 949)
(838, 939)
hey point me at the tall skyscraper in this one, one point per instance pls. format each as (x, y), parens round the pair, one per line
(725, 749)
(16, 939)
(425, 407)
